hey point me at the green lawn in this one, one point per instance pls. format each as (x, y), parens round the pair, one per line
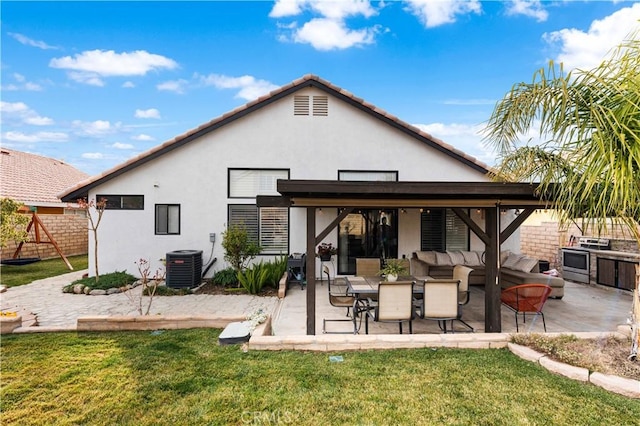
(13, 276)
(183, 377)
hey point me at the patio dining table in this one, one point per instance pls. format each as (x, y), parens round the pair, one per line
(366, 287)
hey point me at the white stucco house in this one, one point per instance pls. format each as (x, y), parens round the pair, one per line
(178, 193)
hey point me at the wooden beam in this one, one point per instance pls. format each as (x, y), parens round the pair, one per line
(472, 225)
(492, 305)
(406, 203)
(311, 271)
(335, 222)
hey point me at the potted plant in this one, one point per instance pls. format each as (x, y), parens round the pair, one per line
(325, 251)
(392, 268)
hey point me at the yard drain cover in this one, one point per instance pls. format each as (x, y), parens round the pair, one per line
(235, 332)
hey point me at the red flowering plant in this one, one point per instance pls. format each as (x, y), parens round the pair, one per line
(326, 250)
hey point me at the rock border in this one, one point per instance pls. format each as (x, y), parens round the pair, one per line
(623, 386)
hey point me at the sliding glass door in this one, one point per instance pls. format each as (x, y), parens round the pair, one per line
(369, 233)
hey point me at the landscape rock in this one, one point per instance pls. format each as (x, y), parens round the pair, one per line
(78, 288)
(98, 292)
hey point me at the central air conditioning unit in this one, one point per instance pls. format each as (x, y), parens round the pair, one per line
(184, 268)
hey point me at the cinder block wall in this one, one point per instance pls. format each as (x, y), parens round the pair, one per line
(68, 230)
(541, 241)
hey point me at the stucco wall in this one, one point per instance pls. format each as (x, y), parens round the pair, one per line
(195, 176)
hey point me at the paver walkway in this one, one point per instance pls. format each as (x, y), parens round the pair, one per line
(54, 308)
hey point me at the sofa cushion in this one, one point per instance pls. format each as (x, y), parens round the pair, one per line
(428, 257)
(472, 258)
(457, 258)
(443, 259)
(512, 260)
(526, 264)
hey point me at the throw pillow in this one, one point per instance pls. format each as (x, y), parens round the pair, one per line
(472, 258)
(512, 260)
(443, 259)
(428, 257)
(526, 264)
(456, 257)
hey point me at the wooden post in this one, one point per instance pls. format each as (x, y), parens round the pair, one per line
(492, 305)
(311, 271)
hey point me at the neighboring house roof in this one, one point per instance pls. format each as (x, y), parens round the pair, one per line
(81, 190)
(35, 180)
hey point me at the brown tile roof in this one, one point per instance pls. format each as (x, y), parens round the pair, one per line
(35, 180)
(81, 190)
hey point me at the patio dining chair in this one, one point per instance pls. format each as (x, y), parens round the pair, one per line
(338, 297)
(440, 302)
(366, 267)
(526, 299)
(461, 274)
(394, 304)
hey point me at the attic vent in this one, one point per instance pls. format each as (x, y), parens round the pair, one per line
(321, 105)
(300, 105)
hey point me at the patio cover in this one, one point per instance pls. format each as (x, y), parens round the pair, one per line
(350, 195)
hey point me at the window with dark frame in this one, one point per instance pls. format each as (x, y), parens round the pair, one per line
(441, 230)
(122, 202)
(167, 219)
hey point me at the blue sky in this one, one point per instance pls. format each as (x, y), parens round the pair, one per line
(95, 83)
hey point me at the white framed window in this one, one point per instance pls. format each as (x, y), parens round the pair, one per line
(368, 175)
(268, 226)
(167, 219)
(248, 183)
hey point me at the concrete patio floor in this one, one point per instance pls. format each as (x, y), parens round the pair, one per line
(584, 308)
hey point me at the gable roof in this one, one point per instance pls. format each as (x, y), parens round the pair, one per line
(34, 179)
(81, 190)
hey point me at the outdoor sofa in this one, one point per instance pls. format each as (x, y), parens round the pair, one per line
(515, 268)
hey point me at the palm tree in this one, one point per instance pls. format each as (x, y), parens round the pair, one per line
(590, 160)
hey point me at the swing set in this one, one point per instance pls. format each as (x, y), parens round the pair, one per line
(37, 226)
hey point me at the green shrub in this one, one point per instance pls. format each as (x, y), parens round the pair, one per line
(163, 290)
(253, 279)
(275, 270)
(225, 277)
(238, 246)
(112, 280)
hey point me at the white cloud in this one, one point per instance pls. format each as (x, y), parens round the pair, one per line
(250, 87)
(20, 113)
(329, 9)
(463, 137)
(128, 84)
(329, 31)
(35, 137)
(147, 113)
(38, 121)
(329, 34)
(435, 13)
(283, 8)
(177, 86)
(586, 50)
(142, 137)
(530, 8)
(94, 128)
(30, 42)
(13, 107)
(23, 84)
(120, 145)
(91, 66)
(93, 155)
